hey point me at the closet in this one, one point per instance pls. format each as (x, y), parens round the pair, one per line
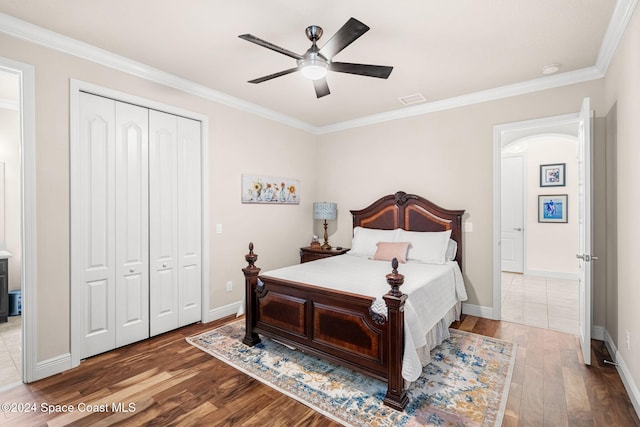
(136, 225)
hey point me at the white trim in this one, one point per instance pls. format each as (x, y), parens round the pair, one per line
(617, 26)
(224, 311)
(29, 283)
(34, 34)
(477, 310)
(552, 274)
(623, 371)
(53, 366)
(77, 86)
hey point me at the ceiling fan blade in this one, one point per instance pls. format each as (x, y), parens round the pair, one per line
(274, 75)
(322, 88)
(380, 71)
(263, 43)
(343, 38)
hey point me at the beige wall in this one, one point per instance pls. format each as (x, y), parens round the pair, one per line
(551, 248)
(446, 157)
(622, 88)
(239, 143)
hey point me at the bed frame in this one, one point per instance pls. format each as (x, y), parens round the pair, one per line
(339, 326)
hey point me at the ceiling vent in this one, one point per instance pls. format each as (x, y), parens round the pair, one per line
(412, 99)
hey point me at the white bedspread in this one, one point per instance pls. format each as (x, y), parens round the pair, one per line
(433, 290)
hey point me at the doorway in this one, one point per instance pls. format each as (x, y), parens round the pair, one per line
(539, 271)
(574, 127)
(18, 214)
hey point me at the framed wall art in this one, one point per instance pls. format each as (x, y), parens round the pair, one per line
(271, 190)
(552, 208)
(552, 175)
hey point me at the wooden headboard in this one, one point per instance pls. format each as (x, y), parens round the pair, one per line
(411, 213)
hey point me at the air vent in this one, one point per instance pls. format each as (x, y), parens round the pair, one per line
(412, 99)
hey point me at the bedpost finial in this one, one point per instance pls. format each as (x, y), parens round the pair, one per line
(395, 279)
(251, 258)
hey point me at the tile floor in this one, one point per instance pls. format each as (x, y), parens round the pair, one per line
(541, 301)
(10, 352)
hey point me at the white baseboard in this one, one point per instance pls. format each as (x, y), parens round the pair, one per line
(52, 366)
(629, 384)
(552, 274)
(220, 312)
(477, 310)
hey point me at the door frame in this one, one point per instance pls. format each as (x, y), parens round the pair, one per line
(77, 86)
(503, 135)
(28, 280)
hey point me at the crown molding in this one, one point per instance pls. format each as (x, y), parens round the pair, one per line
(34, 34)
(617, 26)
(535, 85)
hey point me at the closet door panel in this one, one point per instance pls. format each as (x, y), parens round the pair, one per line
(190, 219)
(163, 221)
(132, 224)
(94, 230)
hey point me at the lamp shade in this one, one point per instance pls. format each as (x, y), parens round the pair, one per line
(325, 210)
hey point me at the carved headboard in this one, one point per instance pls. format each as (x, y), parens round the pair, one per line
(411, 213)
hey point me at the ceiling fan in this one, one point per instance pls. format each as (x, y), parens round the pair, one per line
(315, 62)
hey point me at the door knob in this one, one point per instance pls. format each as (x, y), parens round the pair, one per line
(518, 229)
(132, 270)
(164, 265)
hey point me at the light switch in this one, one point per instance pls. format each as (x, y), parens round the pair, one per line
(218, 228)
(468, 227)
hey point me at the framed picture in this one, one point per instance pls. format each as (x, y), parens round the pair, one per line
(552, 208)
(552, 175)
(270, 190)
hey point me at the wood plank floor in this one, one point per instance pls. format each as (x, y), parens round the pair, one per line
(165, 381)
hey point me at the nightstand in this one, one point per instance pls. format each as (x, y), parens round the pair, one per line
(311, 254)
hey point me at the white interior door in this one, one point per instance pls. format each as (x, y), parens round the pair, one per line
(132, 224)
(584, 228)
(163, 223)
(512, 218)
(94, 224)
(190, 218)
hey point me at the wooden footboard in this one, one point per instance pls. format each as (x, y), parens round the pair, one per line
(336, 326)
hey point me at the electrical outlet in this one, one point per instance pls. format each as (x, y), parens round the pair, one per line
(218, 228)
(628, 335)
(229, 286)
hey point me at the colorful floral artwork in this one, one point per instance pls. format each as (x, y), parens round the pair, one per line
(272, 190)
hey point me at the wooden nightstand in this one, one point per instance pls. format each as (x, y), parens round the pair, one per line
(309, 254)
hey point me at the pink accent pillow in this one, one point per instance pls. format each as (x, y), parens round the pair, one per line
(387, 251)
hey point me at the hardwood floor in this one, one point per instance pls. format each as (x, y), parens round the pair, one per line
(165, 381)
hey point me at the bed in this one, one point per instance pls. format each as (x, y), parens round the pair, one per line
(370, 326)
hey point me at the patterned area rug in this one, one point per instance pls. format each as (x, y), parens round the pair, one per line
(466, 384)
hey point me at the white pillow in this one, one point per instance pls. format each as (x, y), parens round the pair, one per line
(427, 247)
(365, 240)
(452, 250)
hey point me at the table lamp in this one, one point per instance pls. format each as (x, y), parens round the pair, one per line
(325, 211)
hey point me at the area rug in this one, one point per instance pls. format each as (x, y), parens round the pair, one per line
(466, 384)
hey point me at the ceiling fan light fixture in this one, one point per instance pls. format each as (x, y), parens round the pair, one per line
(313, 69)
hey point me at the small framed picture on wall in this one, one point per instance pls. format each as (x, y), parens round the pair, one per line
(552, 175)
(552, 208)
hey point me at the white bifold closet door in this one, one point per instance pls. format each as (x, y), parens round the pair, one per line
(139, 223)
(113, 223)
(175, 236)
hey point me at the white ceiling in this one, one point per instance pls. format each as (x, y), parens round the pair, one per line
(442, 49)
